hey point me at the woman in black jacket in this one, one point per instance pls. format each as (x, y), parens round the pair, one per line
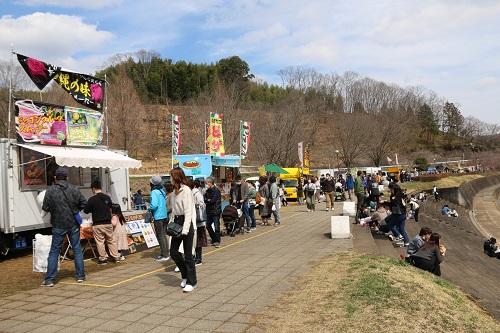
(430, 255)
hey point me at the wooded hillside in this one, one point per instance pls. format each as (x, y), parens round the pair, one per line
(364, 119)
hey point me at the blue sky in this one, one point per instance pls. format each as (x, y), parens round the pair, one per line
(449, 46)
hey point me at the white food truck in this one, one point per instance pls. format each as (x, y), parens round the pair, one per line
(28, 168)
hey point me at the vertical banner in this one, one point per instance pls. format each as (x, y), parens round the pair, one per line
(215, 138)
(176, 135)
(301, 153)
(306, 160)
(244, 138)
(207, 133)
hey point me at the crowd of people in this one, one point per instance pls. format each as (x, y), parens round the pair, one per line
(197, 207)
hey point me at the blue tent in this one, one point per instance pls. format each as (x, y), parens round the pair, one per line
(431, 169)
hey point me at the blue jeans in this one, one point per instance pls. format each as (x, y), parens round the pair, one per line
(251, 213)
(244, 211)
(215, 220)
(397, 225)
(58, 235)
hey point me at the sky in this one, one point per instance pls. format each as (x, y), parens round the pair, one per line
(451, 47)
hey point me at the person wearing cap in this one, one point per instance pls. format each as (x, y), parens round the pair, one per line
(158, 207)
(100, 206)
(63, 200)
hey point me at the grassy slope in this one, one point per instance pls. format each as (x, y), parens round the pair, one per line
(354, 293)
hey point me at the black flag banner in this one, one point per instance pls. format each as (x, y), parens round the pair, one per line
(41, 73)
(85, 89)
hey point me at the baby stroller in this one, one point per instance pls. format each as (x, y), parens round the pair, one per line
(232, 220)
(339, 193)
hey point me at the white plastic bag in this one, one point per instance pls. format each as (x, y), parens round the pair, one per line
(41, 249)
(273, 208)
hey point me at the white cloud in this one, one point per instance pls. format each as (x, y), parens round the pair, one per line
(88, 4)
(52, 38)
(486, 83)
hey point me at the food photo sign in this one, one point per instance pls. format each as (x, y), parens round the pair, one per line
(194, 165)
(49, 124)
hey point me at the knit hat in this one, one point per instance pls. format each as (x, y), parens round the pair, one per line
(155, 180)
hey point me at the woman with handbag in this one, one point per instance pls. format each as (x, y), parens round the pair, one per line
(201, 218)
(184, 213)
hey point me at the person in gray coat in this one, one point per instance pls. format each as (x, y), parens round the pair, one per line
(264, 208)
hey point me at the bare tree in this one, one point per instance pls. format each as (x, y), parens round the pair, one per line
(125, 115)
(388, 133)
(350, 135)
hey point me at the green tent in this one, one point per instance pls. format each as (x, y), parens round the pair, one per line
(275, 168)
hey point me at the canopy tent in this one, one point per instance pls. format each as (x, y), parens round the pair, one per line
(275, 168)
(85, 157)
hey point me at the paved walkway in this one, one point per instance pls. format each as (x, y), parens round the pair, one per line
(242, 278)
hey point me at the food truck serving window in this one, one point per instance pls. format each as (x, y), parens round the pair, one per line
(36, 171)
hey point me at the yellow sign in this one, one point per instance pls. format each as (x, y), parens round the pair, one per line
(262, 171)
(215, 139)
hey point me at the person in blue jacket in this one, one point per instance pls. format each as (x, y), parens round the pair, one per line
(350, 185)
(158, 207)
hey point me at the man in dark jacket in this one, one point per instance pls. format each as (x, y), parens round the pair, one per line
(214, 209)
(63, 201)
(100, 207)
(329, 189)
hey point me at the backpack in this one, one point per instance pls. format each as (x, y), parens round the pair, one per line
(490, 247)
(258, 198)
(311, 190)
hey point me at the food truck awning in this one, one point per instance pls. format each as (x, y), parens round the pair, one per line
(85, 157)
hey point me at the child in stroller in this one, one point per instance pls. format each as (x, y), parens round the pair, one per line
(233, 220)
(339, 192)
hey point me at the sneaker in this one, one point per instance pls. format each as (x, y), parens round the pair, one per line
(198, 263)
(327, 209)
(80, 279)
(333, 209)
(217, 245)
(405, 245)
(184, 283)
(5, 252)
(177, 270)
(122, 258)
(309, 210)
(189, 288)
(102, 262)
(161, 258)
(399, 238)
(47, 283)
(253, 228)
(248, 229)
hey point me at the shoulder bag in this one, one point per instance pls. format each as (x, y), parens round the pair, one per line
(77, 216)
(174, 227)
